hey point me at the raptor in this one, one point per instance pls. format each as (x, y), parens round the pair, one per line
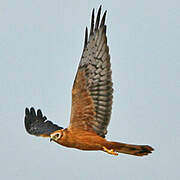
(91, 101)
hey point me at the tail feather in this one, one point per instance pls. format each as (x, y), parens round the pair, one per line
(136, 150)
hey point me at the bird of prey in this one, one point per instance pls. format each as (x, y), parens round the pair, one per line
(91, 101)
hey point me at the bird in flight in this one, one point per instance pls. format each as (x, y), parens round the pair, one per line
(91, 101)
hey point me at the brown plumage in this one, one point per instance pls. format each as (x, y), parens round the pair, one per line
(91, 101)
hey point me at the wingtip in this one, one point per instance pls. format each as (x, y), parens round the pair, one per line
(103, 19)
(39, 113)
(86, 37)
(37, 124)
(92, 22)
(98, 18)
(26, 110)
(32, 111)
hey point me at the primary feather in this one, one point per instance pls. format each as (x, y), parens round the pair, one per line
(37, 124)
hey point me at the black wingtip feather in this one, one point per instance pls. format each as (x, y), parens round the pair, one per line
(104, 29)
(36, 124)
(97, 24)
(98, 18)
(27, 111)
(39, 113)
(32, 112)
(86, 37)
(92, 23)
(103, 19)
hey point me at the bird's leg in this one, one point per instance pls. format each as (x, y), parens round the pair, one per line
(110, 151)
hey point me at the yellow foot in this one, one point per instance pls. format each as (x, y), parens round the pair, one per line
(110, 151)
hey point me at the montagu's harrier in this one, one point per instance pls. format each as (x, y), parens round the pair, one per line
(91, 101)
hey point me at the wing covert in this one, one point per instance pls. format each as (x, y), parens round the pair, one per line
(92, 89)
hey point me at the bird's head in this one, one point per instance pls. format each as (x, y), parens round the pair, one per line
(55, 136)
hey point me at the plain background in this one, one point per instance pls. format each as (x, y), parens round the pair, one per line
(40, 47)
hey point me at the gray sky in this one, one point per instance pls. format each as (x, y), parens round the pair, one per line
(40, 47)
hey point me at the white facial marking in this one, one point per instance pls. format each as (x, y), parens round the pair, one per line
(56, 136)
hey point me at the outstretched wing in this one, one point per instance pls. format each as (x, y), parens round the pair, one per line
(37, 124)
(92, 88)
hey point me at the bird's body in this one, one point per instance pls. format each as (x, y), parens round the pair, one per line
(91, 102)
(82, 140)
(89, 141)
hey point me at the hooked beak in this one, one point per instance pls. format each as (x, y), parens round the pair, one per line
(51, 138)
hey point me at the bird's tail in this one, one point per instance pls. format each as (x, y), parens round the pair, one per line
(136, 150)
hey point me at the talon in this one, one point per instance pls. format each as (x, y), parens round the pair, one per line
(110, 151)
